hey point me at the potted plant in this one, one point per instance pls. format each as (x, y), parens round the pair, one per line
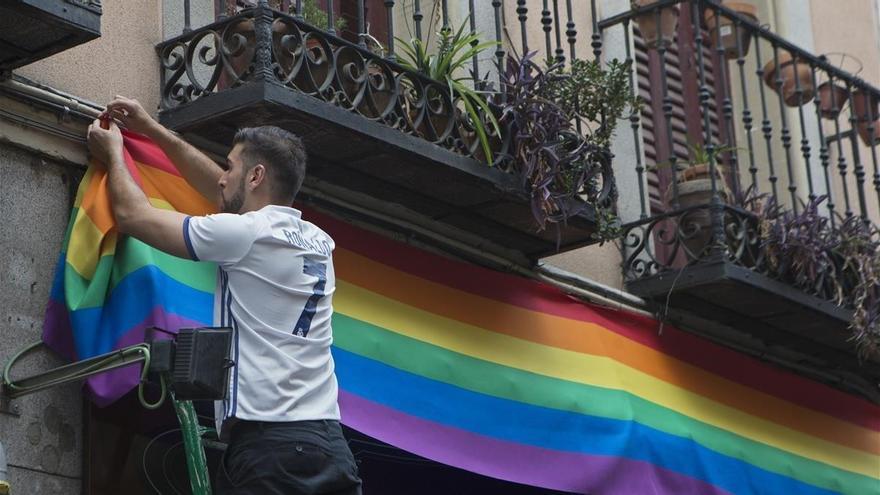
(794, 76)
(313, 14)
(735, 40)
(561, 169)
(314, 75)
(837, 261)
(454, 51)
(693, 188)
(833, 96)
(657, 26)
(866, 111)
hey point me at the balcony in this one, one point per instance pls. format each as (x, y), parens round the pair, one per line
(31, 30)
(761, 183)
(377, 133)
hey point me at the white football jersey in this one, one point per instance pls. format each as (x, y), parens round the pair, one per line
(275, 286)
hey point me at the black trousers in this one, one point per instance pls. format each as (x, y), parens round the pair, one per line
(295, 458)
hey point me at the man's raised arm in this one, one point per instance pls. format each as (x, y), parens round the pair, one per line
(162, 229)
(197, 168)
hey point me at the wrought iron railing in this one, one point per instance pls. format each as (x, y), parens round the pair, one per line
(270, 42)
(781, 129)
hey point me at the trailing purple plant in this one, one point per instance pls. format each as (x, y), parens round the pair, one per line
(563, 167)
(838, 261)
(857, 256)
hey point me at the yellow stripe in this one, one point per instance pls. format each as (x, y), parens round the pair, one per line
(81, 253)
(590, 338)
(587, 369)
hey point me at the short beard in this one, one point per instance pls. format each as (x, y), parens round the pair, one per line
(235, 203)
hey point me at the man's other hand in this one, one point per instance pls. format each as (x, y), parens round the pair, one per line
(105, 145)
(130, 114)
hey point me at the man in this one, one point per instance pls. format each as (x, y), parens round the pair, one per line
(274, 288)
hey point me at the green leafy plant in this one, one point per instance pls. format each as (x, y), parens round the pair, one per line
(590, 92)
(454, 51)
(562, 170)
(316, 16)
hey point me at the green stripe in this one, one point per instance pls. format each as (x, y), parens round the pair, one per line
(134, 254)
(131, 255)
(82, 293)
(484, 377)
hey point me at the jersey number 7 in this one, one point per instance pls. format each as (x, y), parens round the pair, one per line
(314, 269)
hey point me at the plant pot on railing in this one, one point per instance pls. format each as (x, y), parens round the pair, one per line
(657, 29)
(866, 112)
(693, 187)
(832, 98)
(797, 79)
(735, 41)
(833, 93)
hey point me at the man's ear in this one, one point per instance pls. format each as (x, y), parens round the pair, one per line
(256, 176)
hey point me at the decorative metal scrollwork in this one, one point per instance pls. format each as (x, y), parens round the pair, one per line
(223, 55)
(686, 237)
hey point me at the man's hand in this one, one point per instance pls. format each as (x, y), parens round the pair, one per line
(130, 114)
(105, 145)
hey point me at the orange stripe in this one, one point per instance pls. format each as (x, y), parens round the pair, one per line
(593, 339)
(96, 201)
(175, 190)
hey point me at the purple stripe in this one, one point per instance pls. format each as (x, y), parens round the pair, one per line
(557, 470)
(106, 388)
(57, 333)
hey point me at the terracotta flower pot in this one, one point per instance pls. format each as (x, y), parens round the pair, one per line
(695, 189)
(657, 30)
(866, 111)
(866, 107)
(832, 98)
(730, 35)
(794, 76)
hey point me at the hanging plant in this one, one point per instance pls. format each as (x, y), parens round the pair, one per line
(562, 169)
(839, 262)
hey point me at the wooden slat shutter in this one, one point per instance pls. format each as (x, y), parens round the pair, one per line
(683, 84)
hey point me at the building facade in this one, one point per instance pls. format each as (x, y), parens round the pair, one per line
(409, 166)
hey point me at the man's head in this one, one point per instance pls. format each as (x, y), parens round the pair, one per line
(265, 166)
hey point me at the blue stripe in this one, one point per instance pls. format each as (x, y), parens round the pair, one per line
(96, 330)
(235, 370)
(57, 291)
(187, 240)
(553, 429)
(224, 281)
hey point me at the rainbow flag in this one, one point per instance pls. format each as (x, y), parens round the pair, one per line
(513, 379)
(107, 291)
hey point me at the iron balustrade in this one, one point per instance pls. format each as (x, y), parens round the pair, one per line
(272, 42)
(806, 135)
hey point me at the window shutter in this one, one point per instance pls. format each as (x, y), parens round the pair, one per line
(683, 84)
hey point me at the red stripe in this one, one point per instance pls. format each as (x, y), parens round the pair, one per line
(146, 152)
(521, 292)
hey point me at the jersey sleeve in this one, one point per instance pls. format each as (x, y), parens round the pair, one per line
(223, 238)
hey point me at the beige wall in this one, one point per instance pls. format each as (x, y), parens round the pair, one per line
(121, 61)
(851, 27)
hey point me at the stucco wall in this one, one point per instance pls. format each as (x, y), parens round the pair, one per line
(851, 27)
(122, 61)
(43, 444)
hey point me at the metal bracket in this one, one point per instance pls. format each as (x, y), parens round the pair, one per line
(7, 406)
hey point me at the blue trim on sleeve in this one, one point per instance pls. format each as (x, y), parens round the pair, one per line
(187, 240)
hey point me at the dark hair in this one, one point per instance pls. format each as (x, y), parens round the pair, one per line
(280, 151)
